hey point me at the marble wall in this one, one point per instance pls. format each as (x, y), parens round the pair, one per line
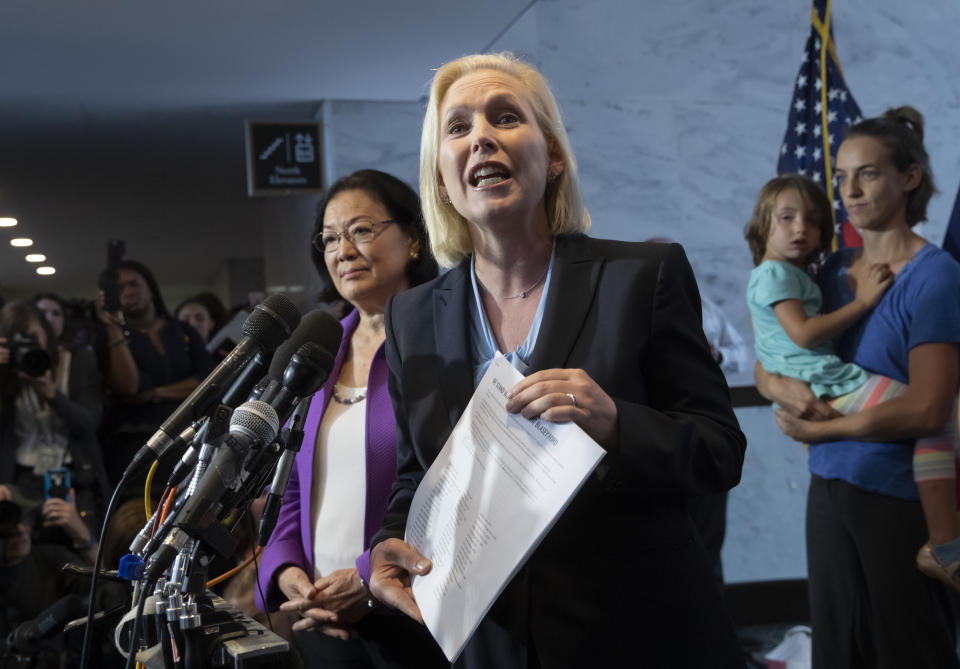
(676, 112)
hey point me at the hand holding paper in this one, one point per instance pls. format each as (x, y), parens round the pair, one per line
(487, 501)
(566, 395)
(391, 564)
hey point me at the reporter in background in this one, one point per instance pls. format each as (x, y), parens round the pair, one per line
(54, 310)
(32, 585)
(369, 243)
(155, 362)
(204, 311)
(50, 407)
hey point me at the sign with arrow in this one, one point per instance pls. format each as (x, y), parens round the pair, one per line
(283, 157)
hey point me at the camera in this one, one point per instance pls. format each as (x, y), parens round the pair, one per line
(10, 517)
(26, 354)
(109, 282)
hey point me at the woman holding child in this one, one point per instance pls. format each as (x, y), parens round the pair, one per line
(870, 605)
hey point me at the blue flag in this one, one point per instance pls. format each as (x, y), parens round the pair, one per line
(821, 111)
(951, 240)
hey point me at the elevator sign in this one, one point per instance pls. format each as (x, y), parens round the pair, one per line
(283, 157)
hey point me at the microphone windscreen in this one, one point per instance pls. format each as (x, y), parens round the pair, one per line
(271, 321)
(258, 419)
(318, 327)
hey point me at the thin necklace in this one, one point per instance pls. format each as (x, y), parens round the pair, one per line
(522, 294)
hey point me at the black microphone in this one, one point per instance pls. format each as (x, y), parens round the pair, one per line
(253, 424)
(49, 623)
(308, 369)
(293, 440)
(245, 384)
(317, 326)
(271, 322)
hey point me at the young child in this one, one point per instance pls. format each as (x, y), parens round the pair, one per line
(790, 227)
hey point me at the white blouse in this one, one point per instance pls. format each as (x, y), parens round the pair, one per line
(338, 498)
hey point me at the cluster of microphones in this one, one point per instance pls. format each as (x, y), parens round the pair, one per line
(227, 428)
(238, 432)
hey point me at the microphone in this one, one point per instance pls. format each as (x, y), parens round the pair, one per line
(245, 384)
(271, 322)
(308, 370)
(49, 623)
(318, 327)
(253, 424)
(281, 476)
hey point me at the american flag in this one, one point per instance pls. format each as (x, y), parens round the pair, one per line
(821, 111)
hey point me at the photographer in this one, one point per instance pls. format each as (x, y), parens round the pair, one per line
(155, 362)
(31, 581)
(50, 406)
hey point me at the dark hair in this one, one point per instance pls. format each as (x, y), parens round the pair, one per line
(63, 311)
(16, 317)
(403, 205)
(54, 297)
(151, 280)
(901, 131)
(758, 227)
(211, 303)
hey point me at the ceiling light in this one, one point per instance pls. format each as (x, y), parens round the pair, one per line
(21, 241)
(35, 257)
(46, 270)
(7, 222)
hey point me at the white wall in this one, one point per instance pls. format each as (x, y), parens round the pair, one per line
(676, 112)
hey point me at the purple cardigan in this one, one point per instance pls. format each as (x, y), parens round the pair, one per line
(291, 541)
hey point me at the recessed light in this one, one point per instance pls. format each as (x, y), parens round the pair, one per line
(46, 271)
(21, 241)
(7, 222)
(35, 257)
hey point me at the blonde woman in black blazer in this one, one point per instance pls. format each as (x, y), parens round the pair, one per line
(617, 347)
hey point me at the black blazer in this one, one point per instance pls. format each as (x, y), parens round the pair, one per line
(621, 576)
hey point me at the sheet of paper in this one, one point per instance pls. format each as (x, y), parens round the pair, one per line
(489, 498)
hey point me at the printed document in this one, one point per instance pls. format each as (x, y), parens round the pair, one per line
(489, 498)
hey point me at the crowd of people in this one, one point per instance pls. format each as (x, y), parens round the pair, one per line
(81, 389)
(858, 350)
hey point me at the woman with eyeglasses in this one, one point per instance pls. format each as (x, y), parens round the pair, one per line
(369, 243)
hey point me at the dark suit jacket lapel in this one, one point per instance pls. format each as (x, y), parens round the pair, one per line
(451, 318)
(573, 288)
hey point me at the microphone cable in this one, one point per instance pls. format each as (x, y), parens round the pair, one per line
(95, 576)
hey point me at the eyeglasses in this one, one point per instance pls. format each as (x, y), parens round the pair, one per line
(360, 231)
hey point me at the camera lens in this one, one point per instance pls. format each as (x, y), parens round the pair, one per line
(35, 362)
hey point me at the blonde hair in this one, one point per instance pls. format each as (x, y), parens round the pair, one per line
(758, 227)
(448, 230)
